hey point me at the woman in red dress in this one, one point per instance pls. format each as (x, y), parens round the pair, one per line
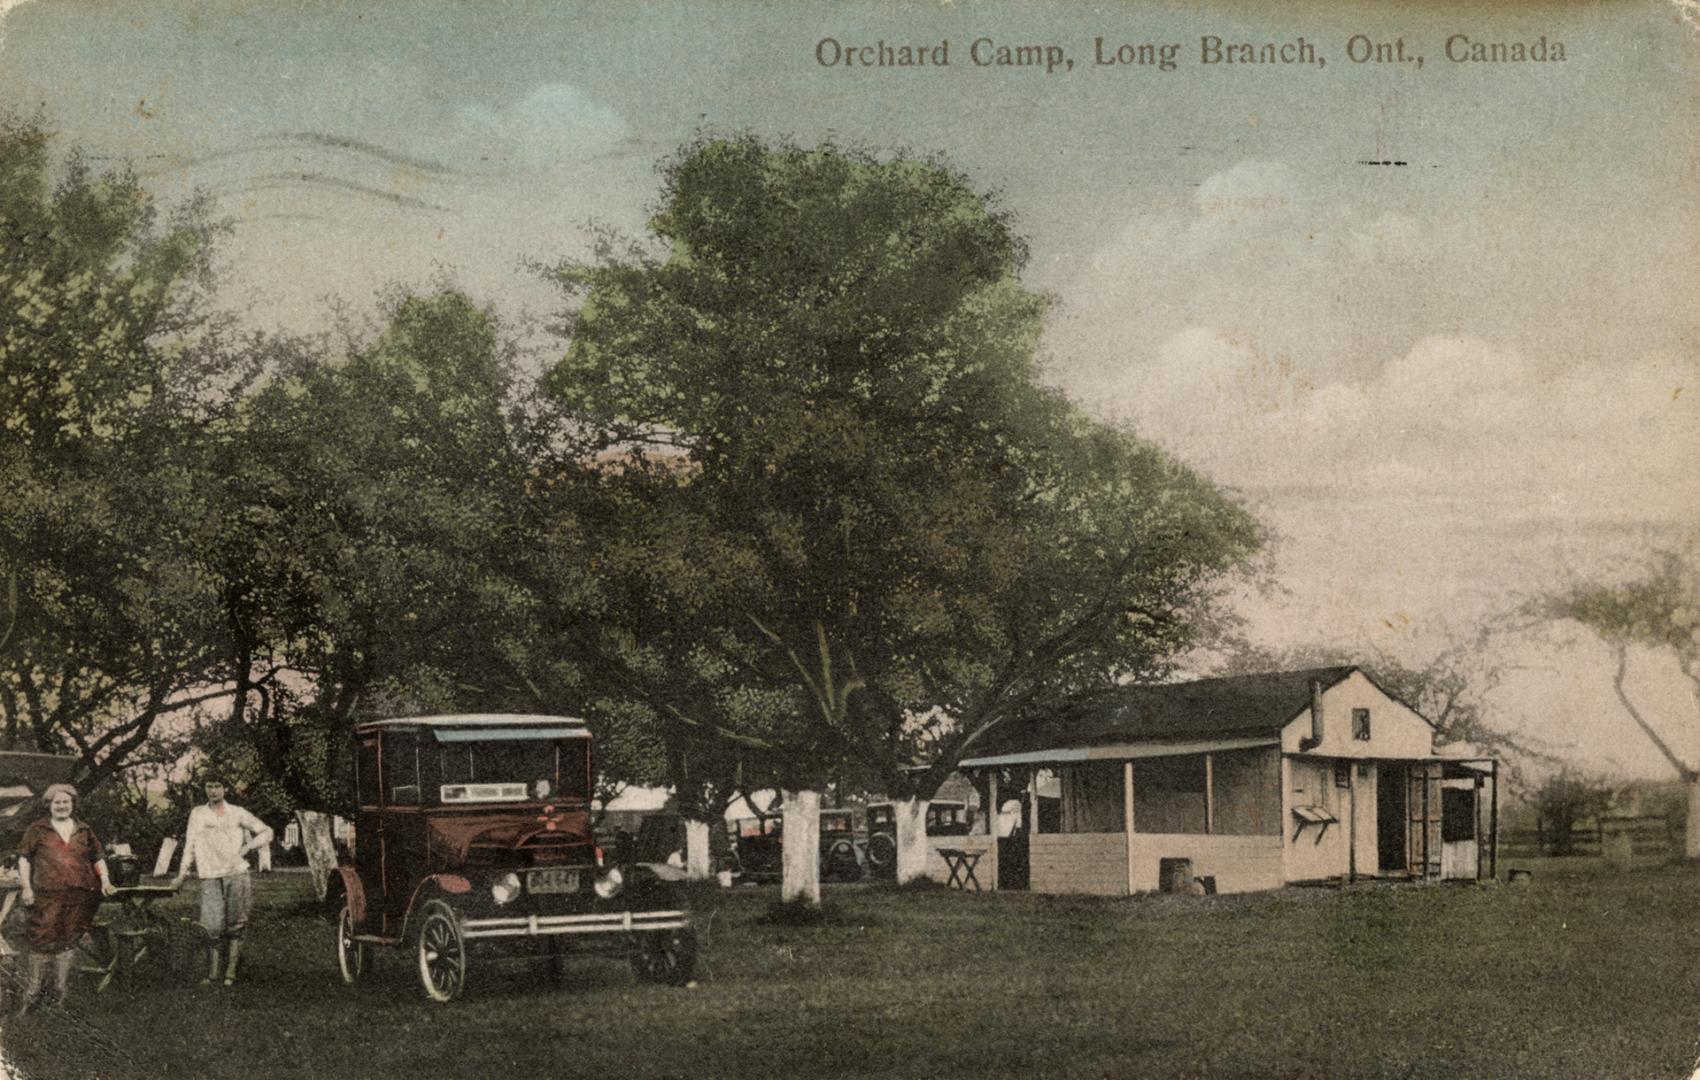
(63, 872)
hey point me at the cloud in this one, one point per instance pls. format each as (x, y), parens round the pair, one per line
(555, 122)
(1249, 188)
(1258, 252)
(1276, 337)
(1454, 414)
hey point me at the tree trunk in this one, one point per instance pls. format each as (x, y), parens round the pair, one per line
(1691, 834)
(912, 849)
(696, 850)
(800, 861)
(321, 850)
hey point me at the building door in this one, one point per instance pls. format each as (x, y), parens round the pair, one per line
(1392, 792)
(1459, 850)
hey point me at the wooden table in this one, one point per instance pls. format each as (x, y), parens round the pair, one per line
(961, 863)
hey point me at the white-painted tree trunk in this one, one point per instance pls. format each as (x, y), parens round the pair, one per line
(912, 849)
(320, 848)
(800, 862)
(1691, 839)
(696, 850)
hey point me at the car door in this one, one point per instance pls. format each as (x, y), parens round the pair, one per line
(368, 829)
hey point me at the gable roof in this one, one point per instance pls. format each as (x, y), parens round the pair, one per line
(1236, 705)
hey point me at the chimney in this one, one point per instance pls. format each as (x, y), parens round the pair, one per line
(1314, 739)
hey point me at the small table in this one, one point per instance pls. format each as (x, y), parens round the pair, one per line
(961, 863)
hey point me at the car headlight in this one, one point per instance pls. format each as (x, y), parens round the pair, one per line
(505, 888)
(608, 885)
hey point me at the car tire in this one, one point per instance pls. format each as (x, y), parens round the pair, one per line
(441, 951)
(841, 862)
(882, 854)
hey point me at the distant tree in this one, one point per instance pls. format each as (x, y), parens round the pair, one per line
(909, 534)
(1566, 799)
(1658, 610)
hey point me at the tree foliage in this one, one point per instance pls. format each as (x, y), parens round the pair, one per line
(114, 367)
(871, 502)
(379, 547)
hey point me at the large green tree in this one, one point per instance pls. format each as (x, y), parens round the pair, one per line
(906, 530)
(114, 368)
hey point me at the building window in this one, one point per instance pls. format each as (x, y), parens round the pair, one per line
(1360, 724)
(1342, 774)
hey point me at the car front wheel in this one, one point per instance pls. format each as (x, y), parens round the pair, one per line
(351, 955)
(442, 953)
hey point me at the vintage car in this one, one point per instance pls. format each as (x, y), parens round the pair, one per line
(472, 838)
(757, 847)
(945, 817)
(760, 843)
(841, 856)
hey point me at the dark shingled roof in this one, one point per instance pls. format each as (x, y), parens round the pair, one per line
(1238, 705)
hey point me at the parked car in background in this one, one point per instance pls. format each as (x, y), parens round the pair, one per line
(945, 817)
(841, 856)
(760, 844)
(757, 845)
(473, 840)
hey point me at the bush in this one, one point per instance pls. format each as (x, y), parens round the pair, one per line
(1567, 798)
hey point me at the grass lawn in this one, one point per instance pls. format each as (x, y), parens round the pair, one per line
(1574, 974)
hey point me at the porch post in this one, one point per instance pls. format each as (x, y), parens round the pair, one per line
(1351, 821)
(992, 805)
(1493, 827)
(1127, 817)
(1209, 794)
(1033, 800)
(1425, 821)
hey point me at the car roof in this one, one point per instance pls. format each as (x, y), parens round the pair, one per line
(476, 720)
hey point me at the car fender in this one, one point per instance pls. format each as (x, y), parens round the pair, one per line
(432, 887)
(354, 893)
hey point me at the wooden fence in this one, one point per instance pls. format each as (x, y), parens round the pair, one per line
(1648, 837)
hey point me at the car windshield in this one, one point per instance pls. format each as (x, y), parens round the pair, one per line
(507, 770)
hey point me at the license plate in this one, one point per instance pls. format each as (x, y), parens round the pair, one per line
(553, 881)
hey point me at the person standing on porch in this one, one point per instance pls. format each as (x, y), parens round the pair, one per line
(216, 846)
(62, 872)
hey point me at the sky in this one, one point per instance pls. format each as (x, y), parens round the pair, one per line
(1446, 385)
